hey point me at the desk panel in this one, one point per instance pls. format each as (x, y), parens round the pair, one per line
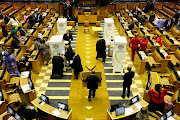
(91, 18)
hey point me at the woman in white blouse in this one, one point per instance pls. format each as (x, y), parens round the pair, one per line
(14, 22)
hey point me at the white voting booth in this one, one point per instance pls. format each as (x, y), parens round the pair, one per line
(108, 29)
(119, 53)
(61, 26)
(57, 45)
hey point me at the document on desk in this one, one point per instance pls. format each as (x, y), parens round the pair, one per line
(138, 105)
(128, 111)
(25, 74)
(26, 87)
(1, 102)
(56, 112)
(171, 118)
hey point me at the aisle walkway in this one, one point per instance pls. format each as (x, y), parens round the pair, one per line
(82, 108)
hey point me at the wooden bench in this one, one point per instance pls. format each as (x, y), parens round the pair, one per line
(175, 59)
(157, 62)
(167, 11)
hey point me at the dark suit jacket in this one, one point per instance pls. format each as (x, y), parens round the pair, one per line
(76, 65)
(6, 19)
(92, 82)
(166, 24)
(101, 48)
(67, 38)
(58, 65)
(22, 31)
(131, 26)
(128, 77)
(177, 16)
(69, 54)
(152, 17)
(140, 19)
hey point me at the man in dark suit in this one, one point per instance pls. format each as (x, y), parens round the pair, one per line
(69, 53)
(101, 49)
(76, 65)
(39, 18)
(58, 65)
(92, 84)
(152, 17)
(168, 23)
(140, 19)
(70, 11)
(68, 37)
(131, 25)
(22, 31)
(177, 16)
(127, 82)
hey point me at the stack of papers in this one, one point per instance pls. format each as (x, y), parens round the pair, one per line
(56, 112)
(138, 106)
(128, 111)
(171, 118)
(25, 74)
(26, 87)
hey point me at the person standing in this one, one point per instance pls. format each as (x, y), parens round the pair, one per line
(14, 22)
(177, 16)
(92, 84)
(6, 18)
(127, 82)
(156, 102)
(152, 6)
(65, 11)
(13, 32)
(101, 49)
(45, 52)
(168, 23)
(69, 53)
(135, 41)
(68, 37)
(10, 62)
(76, 65)
(143, 43)
(58, 65)
(5, 33)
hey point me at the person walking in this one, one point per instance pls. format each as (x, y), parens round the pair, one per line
(127, 82)
(92, 84)
(135, 41)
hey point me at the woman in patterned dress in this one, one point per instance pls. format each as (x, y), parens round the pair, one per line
(45, 52)
(10, 62)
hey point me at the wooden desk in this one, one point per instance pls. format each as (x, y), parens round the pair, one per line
(90, 18)
(69, 27)
(87, 73)
(112, 115)
(140, 63)
(36, 61)
(154, 81)
(49, 110)
(96, 29)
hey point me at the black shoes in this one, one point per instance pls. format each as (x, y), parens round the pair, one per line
(89, 99)
(123, 96)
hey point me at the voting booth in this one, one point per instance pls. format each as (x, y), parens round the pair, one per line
(57, 45)
(108, 29)
(119, 52)
(61, 26)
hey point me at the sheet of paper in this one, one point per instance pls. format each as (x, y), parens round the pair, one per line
(25, 74)
(178, 72)
(26, 87)
(128, 111)
(42, 103)
(71, 61)
(171, 118)
(138, 105)
(1, 102)
(56, 112)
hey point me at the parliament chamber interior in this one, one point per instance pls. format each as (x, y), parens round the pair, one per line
(90, 60)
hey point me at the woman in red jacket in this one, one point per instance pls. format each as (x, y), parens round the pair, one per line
(143, 43)
(156, 102)
(158, 39)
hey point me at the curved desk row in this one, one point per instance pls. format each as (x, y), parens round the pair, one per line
(51, 110)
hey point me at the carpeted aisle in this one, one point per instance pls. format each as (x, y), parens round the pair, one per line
(82, 108)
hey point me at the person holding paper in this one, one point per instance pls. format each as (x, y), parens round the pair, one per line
(127, 82)
(101, 49)
(156, 102)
